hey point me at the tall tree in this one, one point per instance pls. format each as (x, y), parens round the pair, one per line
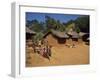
(36, 26)
(83, 23)
(60, 26)
(50, 22)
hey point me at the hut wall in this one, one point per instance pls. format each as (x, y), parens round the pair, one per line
(61, 40)
(84, 38)
(68, 41)
(75, 39)
(28, 36)
(55, 41)
(80, 40)
(51, 40)
(71, 41)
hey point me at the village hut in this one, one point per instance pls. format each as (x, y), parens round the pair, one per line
(61, 36)
(73, 35)
(81, 34)
(87, 41)
(29, 33)
(48, 38)
(55, 37)
(85, 37)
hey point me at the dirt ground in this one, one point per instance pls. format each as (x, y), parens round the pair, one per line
(61, 55)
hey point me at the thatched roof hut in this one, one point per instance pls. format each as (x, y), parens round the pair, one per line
(87, 41)
(29, 33)
(73, 34)
(55, 37)
(85, 37)
(81, 34)
(59, 34)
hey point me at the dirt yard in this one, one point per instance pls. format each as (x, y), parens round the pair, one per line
(61, 55)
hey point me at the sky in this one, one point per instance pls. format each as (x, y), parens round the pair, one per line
(41, 16)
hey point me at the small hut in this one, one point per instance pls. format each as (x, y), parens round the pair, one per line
(55, 37)
(82, 36)
(85, 37)
(29, 34)
(87, 41)
(61, 36)
(74, 35)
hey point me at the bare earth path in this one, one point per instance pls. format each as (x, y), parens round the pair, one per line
(61, 55)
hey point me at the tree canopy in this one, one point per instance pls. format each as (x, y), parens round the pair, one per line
(83, 23)
(79, 24)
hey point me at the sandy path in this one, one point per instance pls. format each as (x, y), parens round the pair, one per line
(61, 55)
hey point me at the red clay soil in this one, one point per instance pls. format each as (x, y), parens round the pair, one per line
(61, 55)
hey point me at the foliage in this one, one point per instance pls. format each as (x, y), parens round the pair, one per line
(36, 26)
(69, 23)
(83, 23)
(54, 24)
(70, 27)
(77, 29)
(79, 24)
(50, 22)
(38, 37)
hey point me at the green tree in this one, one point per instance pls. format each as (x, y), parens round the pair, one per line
(50, 22)
(60, 26)
(77, 29)
(70, 27)
(38, 37)
(83, 23)
(69, 23)
(36, 26)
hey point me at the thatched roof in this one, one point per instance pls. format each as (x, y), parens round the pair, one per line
(82, 34)
(29, 31)
(74, 34)
(88, 38)
(59, 34)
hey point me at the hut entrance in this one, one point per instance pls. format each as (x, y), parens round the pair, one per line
(28, 36)
(74, 39)
(61, 40)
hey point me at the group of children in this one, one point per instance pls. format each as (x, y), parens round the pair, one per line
(43, 48)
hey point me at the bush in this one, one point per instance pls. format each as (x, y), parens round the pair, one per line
(38, 37)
